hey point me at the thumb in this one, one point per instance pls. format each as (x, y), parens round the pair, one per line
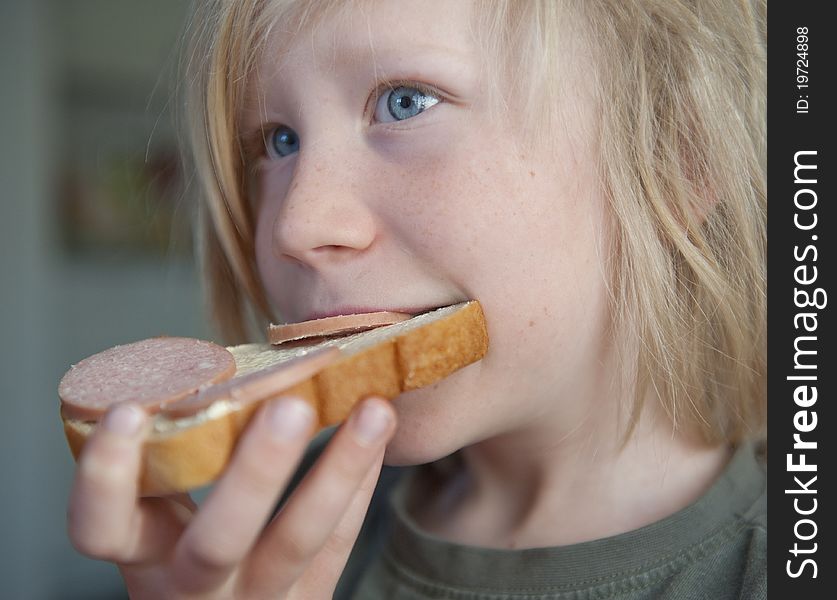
(322, 574)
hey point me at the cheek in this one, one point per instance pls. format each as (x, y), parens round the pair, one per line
(530, 246)
(265, 217)
(500, 218)
(267, 201)
(438, 197)
(264, 253)
(518, 232)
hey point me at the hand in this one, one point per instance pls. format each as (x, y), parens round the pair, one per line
(168, 548)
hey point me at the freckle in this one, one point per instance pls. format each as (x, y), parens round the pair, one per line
(532, 173)
(531, 323)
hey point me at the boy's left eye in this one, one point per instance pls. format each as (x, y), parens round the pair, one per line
(403, 102)
(283, 141)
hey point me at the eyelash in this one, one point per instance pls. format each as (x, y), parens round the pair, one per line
(258, 147)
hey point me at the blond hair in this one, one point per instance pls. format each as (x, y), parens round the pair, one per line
(680, 89)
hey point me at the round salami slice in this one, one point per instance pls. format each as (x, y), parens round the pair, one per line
(332, 326)
(151, 372)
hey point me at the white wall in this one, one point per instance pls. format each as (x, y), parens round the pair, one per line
(55, 310)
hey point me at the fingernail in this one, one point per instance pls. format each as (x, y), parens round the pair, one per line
(124, 419)
(288, 418)
(370, 424)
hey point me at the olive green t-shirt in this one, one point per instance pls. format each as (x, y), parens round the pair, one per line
(714, 549)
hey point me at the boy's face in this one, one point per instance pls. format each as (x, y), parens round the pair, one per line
(390, 184)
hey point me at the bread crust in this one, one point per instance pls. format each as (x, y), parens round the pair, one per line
(195, 455)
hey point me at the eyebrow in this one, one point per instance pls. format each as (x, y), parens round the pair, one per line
(365, 53)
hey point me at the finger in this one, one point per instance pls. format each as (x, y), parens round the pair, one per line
(102, 507)
(158, 525)
(233, 515)
(321, 575)
(165, 516)
(105, 519)
(315, 508)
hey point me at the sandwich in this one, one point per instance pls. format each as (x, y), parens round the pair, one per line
(200, 395)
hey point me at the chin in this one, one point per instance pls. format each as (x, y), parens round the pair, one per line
(437, 420)
(431, 425)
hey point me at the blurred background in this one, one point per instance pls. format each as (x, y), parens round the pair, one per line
(95, 246)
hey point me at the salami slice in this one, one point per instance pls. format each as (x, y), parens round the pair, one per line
(331, 326)
(150, 372)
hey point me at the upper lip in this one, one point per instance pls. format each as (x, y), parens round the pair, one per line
(357, 310)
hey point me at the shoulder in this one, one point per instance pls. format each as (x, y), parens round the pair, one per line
(732, 564)
(736, 569)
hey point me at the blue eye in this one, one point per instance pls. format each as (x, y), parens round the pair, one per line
(403, 102)
(284, 141)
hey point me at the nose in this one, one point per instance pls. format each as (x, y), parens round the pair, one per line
(323, 218)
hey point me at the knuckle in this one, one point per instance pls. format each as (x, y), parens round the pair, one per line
(207, 557)
(257, 478)
(338, 543)
(348, 468)
(261, 466)
(104, 473)
(95, 545)
(333, 494)
(110, 469)
(88, 538)
(293, 548)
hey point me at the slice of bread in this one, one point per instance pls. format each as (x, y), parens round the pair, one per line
(185, 452)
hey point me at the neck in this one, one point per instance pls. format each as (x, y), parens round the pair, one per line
(526, 489)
